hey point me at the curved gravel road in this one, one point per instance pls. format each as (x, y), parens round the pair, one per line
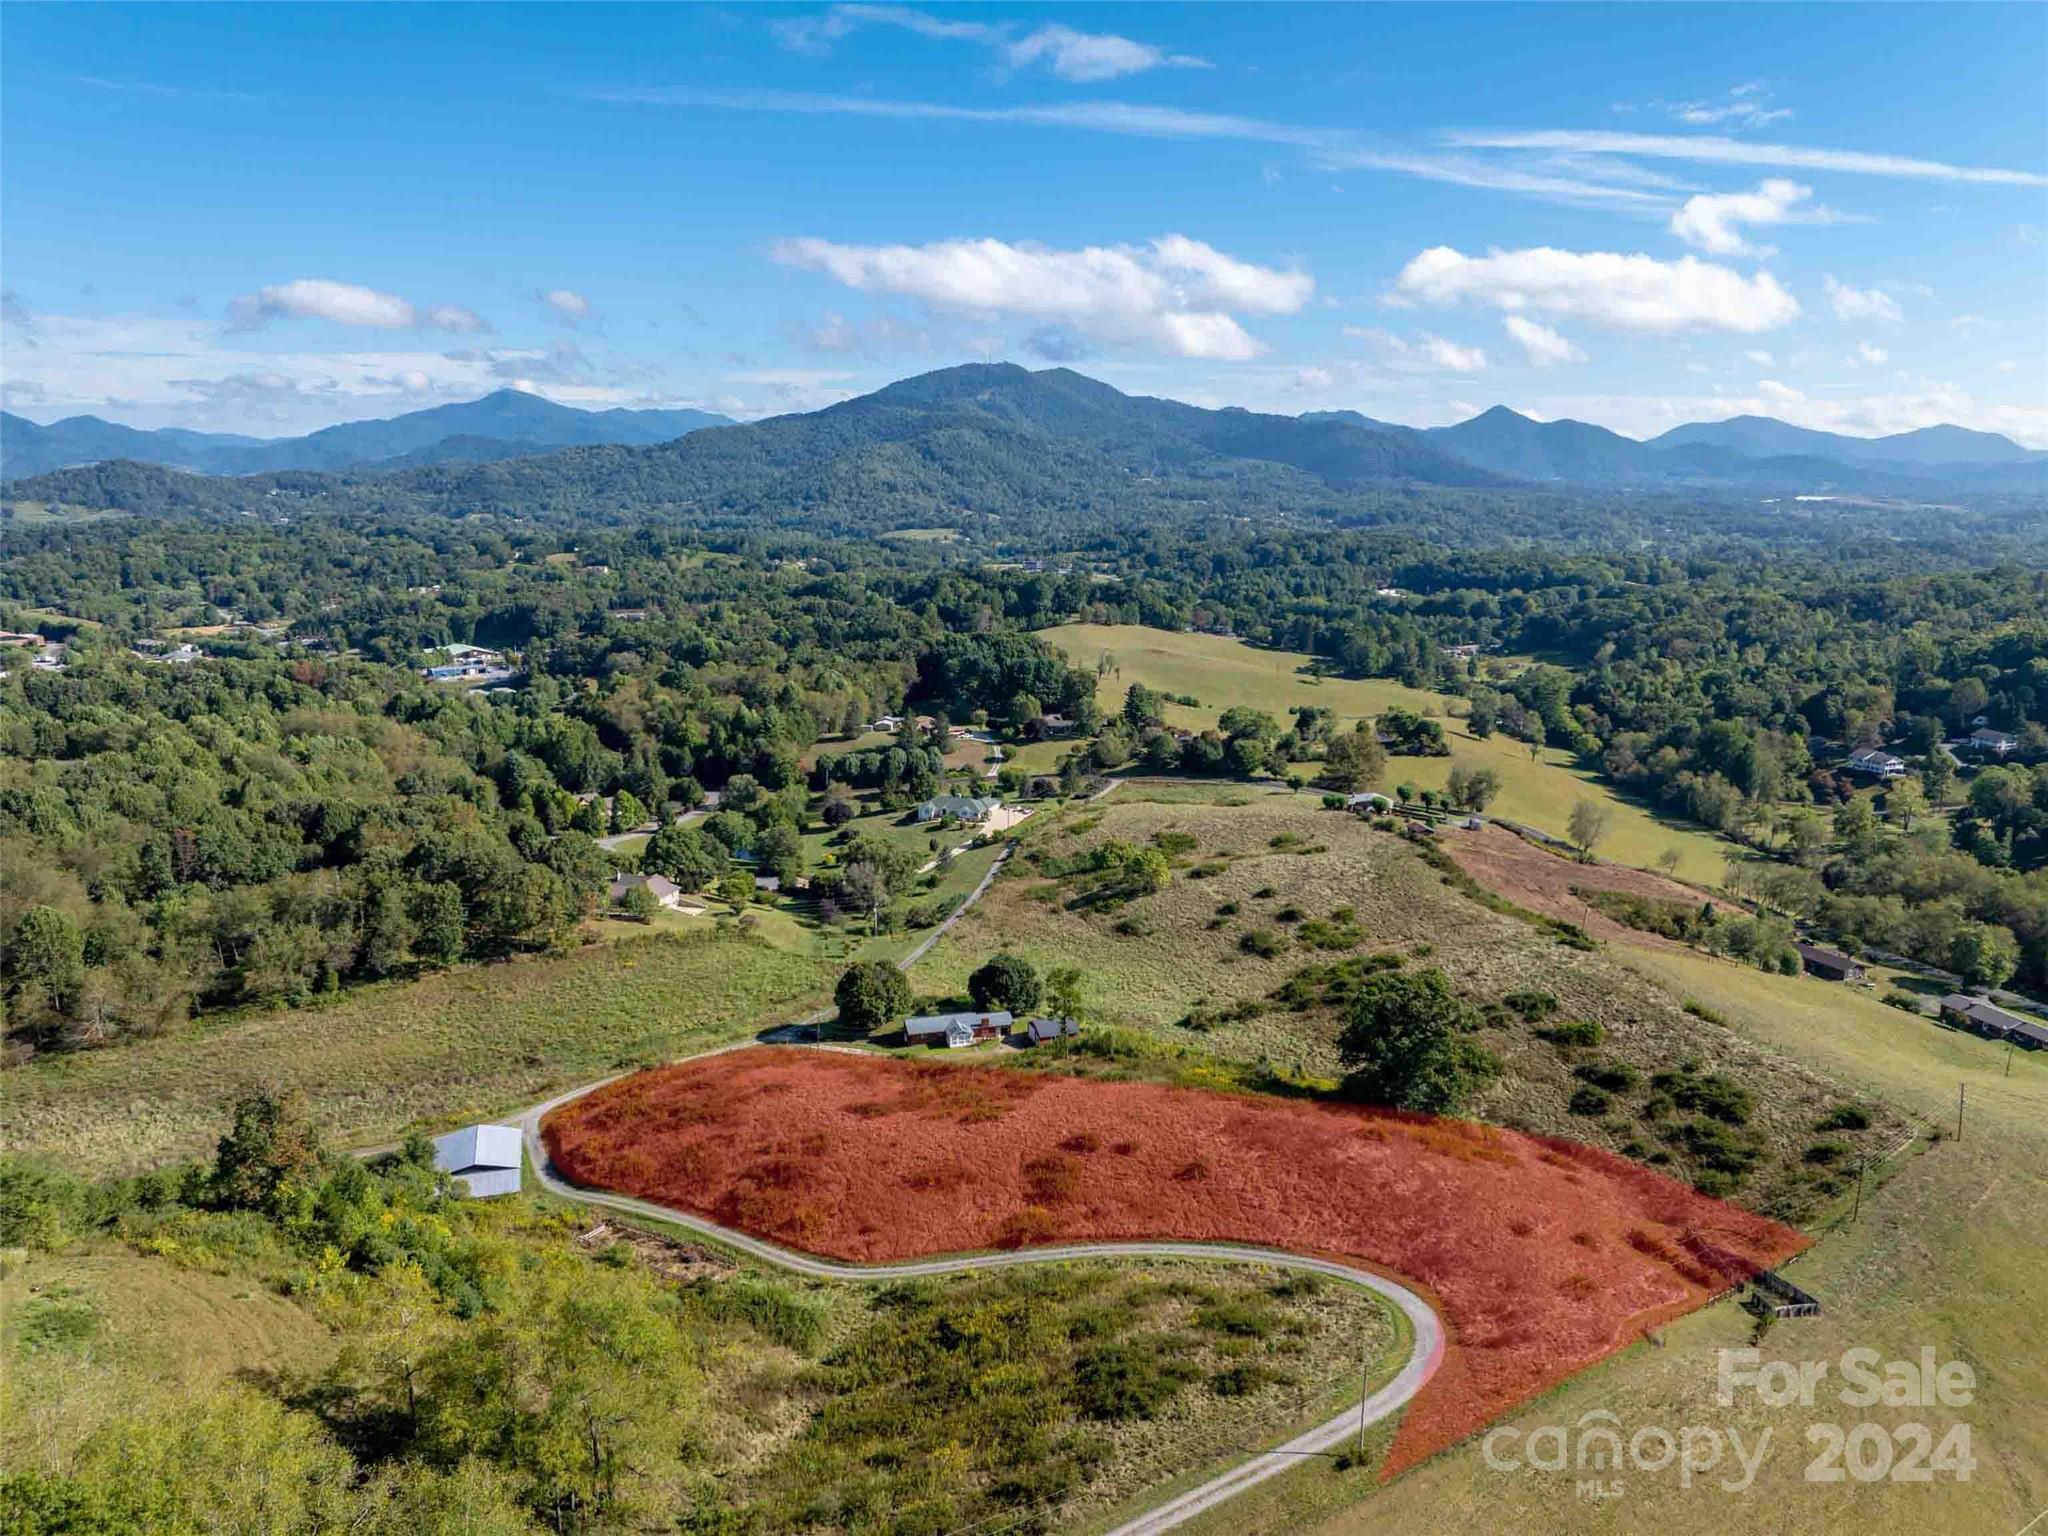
(1423, 1323)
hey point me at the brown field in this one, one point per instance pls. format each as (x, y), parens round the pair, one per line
(1542, 881)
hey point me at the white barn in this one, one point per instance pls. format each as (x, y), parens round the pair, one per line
(484, 1159)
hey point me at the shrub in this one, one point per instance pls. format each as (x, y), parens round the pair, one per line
(1589, 1100)
(1846, 1117)
(1174, 844)
(1614, 1076)
(1825, 1152)
(1238, 1317)
(1128, 1380)
(1700, 1010)
(1711, 1095)
(1248, 1376)
(1288, 915)
(1262, 941)
(1531, 1005)
(1574, 1034)
(1905, 1001)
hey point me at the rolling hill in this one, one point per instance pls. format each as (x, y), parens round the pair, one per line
(500, 425)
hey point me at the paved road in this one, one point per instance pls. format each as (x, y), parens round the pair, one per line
(1421, 1364)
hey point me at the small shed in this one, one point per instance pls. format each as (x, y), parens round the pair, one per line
(1042, 1030)
(1828, 964)
(485, 1159)
(956, 1029)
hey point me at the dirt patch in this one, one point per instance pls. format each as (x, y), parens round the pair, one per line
(1531, 877)
(669, 1257)
(1542, 1255)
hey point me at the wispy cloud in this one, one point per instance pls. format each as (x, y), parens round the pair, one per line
(1746, 106)
(1602, 183)
(1542, 346)
(159, 88)
(1862, 303)
(1069, 54)
(1715, 149)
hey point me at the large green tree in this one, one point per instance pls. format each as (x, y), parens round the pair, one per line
(1403, 1043)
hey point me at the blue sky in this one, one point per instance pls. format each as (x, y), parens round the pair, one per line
(269, 219)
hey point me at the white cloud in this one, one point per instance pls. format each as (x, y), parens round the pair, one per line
(1708, 221)
(1449, 355)
(1540, 344)
(1872, 354)
(1178, 295)
(1084, 56)
(1626, 293)
(1862, 303)
(1716, 150)
(1071, 55)
(319, 298)
(1761, 359)
(1746, 106)
(567, 303)
(1425, 354)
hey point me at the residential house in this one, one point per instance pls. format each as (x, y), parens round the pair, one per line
(1875, 764)
(1371, 800)
(1985, 1018)
(1998, 743)
(767, 885)
(954, 1030)
(971, 809)
(1041, 1030)
(890, 723)
(484, 1159)
(1828, 964)
(1046, 726)
(660, 887)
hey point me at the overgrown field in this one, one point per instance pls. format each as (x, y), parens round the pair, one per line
(1277, 907)
(185, 1363)
(1223, 672)
(1543, 1256)
(456, 1046)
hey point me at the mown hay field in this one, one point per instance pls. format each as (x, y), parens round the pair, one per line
(1223, 672)
(462, 1045)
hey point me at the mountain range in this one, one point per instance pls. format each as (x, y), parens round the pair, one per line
(1743, 451)
(502, 425)
(996, 441)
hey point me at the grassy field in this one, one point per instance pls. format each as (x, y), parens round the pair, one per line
(452, 1047)
(1950, 1252)
(1223, 673)
(1196, 969)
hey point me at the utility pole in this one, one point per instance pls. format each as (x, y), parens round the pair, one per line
(1959, 1111)
(1858, 1211)
(1364, 1387)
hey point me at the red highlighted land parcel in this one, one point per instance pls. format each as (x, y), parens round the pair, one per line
(1542, 1256)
